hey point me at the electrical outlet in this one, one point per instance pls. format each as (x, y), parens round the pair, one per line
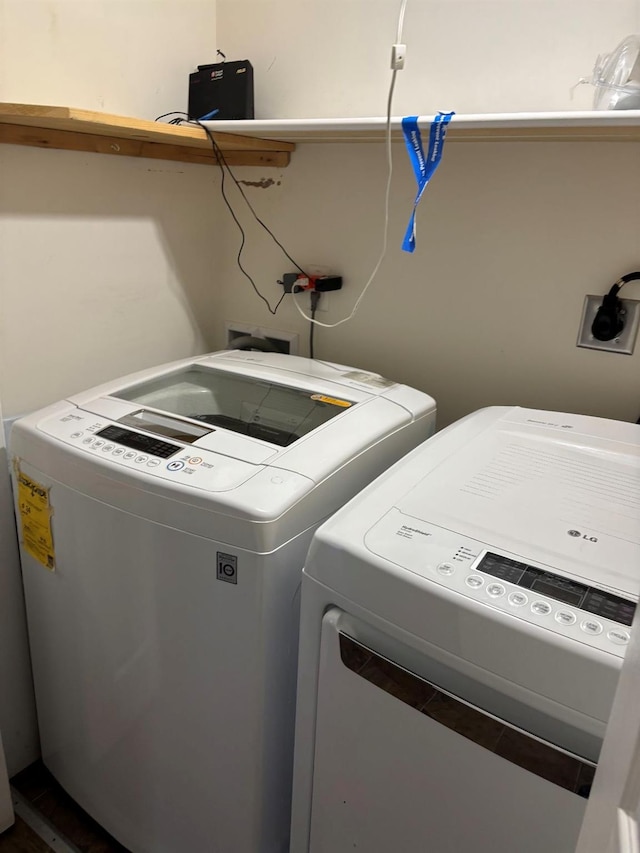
(625, 341)
(285, 342)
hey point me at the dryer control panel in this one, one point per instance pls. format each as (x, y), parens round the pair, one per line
(538, 595)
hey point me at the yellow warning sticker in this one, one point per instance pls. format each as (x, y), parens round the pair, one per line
(35, 511)
(331, 400)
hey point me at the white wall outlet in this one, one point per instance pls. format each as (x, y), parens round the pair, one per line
(625, 341)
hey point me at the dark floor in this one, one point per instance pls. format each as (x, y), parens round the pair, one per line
(60, 812)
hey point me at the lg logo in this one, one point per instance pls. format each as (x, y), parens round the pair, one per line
(227, 567)
(583, 535)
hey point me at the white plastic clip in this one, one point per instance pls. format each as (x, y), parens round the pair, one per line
(398, 56)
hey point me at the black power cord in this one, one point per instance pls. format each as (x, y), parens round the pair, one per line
(609, 319)
(315, 299)
(223, 165)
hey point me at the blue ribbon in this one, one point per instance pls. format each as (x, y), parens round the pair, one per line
(423, 168)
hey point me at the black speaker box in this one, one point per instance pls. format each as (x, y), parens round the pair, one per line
(224, 86)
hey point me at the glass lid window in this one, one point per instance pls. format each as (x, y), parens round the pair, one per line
(255, 407)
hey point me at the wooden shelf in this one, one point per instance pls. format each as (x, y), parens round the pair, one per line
(591, 126)
(269, 142)
(83, 130)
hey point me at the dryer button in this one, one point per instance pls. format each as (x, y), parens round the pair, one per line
(542, 608)
(619, 637)
(518, 599)
(495, 590)
(565, 617)
(474, 581)
(591, 626)
(446, 569)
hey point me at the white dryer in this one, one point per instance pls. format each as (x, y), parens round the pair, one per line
(164, 520)
(463, 624)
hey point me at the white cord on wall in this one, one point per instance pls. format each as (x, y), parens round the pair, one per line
(398, 53)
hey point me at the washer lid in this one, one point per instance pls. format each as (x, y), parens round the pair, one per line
(288, 412)
(560, 489)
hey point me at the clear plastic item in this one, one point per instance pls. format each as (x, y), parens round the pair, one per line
(616, 77)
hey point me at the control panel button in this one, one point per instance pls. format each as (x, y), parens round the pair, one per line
(142, 458)
(176, 465)
(619, 636)
(87, 441)
(130, 454)
(118, 451)
(565, 617)
(98, 443)
(474, 581)
(107, 448)
(541, 608)
(76, 434)
(518, 599)
(195, 460)
(591, 626)
(495, 590)
(445, 569)
(153, 463)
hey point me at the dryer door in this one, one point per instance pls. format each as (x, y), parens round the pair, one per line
(402, 765)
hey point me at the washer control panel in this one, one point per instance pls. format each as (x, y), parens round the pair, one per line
(139, 441)
(142, 452)
(539, 596)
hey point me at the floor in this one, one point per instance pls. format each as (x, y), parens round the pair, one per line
(64, 825)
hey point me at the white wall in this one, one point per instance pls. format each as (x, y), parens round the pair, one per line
(107, 264)
(331, 57)
(511, 236)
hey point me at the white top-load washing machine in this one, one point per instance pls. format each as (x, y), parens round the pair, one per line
(175, 508)
(463, 624)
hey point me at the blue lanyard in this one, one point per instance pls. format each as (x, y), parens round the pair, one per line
(423, 168)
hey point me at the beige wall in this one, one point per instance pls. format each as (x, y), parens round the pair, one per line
(510, 239)
(128, 57)
(108, 265)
